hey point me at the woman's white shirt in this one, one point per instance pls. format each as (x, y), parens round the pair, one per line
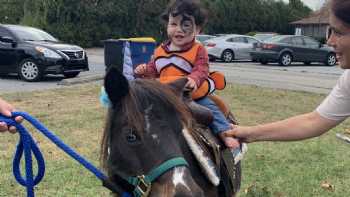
(336, 106)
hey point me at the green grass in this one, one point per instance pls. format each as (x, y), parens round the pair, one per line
(269, 168)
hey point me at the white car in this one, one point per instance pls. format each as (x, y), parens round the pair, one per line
(230, 47)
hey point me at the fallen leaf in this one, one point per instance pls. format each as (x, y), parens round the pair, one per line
(347, 131)
(326, 185)
(249, 188)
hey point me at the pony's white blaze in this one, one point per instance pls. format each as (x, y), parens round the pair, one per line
(178, 177)
(147, 120)
(155, 137)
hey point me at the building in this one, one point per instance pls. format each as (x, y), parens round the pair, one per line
(314, 25)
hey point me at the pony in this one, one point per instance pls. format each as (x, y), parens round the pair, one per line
(143, 148)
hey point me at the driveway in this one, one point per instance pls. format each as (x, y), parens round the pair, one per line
(314, 78)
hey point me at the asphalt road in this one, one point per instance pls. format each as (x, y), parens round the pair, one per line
(314, 78)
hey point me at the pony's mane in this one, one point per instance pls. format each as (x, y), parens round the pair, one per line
(145, 92)
(142, 94)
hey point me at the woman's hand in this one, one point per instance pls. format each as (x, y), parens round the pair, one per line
(6, 109)
(244, 134)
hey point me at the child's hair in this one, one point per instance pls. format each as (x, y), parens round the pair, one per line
(188, 7)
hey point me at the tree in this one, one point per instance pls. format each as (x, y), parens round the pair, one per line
(11, 11)
(87, 22)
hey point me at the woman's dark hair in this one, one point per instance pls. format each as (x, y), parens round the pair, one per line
(340, 9)
(187, 7)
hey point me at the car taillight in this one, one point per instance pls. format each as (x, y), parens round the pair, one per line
(268, 46)
(211, 44)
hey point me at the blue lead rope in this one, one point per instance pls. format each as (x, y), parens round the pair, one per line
(28, 146)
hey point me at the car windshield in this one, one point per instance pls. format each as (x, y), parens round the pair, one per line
(263, 37)
(31, 34)
(275, 38)
(203, 38)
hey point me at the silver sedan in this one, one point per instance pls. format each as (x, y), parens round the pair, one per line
(230, 47)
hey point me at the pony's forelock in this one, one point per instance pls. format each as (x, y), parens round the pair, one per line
(165, 96)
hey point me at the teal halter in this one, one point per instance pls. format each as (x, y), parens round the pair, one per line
(143, 183)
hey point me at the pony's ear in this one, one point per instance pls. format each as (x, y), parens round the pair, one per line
(179, 86)
(116, 85)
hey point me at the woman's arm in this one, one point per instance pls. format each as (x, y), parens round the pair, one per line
(295, 128)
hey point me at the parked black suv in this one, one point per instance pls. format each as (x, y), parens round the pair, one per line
(286, 49)
(32, 53)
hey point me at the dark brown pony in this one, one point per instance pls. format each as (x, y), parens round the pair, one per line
(143, 131)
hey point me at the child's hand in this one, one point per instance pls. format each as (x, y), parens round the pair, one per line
(140, 69)
(191, 84)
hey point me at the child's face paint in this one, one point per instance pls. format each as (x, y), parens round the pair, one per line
(187, 25)
(181, 30)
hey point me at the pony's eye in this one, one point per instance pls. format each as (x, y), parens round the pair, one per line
(131, 137)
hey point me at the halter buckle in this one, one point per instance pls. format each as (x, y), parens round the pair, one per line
(143, 187)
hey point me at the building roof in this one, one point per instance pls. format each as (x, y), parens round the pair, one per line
(318, 17)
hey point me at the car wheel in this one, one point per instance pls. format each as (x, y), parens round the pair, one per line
(331, 59)
(285, 59)
(307, 63)
(227, 56)
(28, 70)
(71, 74)
(263, 62)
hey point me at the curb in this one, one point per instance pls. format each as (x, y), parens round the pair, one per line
(82, 79)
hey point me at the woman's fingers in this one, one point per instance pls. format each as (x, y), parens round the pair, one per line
(12, 129)
(19, 119)
(3, 127)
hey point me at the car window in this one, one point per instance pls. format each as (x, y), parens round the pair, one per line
(203, 38)
(286, 41)
(229, 40)
(237, 39)
(4, 33)
(251, 40)
(297, 41)
(275, 39)
(31, 34)
(263, 37)
(311, 42)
